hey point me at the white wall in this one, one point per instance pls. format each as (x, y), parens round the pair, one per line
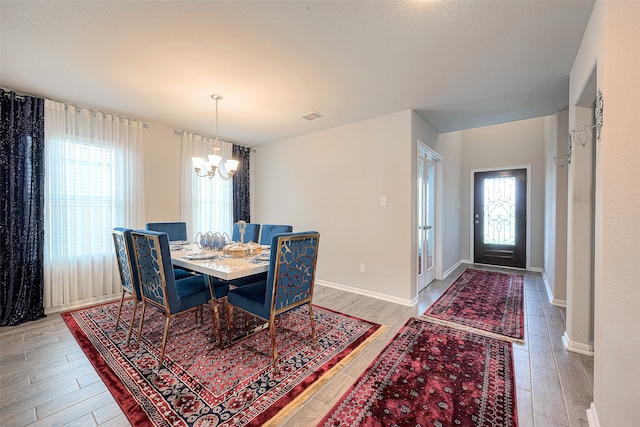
(510, 144)
(450, 147)
(611, 44)
(555, 229)
(161, 174)
(332, 181)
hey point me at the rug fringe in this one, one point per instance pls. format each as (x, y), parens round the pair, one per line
(292, 406)
(470, 329)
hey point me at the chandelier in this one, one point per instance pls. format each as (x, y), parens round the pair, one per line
(208, 168)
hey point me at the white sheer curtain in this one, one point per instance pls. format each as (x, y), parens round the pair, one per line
(94, 182)
(207, 204)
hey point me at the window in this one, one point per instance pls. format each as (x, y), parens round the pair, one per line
(83, 200)
(94, 182)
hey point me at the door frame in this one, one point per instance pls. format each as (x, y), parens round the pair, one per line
(437, 232)
(471, 209)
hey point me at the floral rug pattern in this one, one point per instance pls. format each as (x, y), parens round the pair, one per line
(480, 300)
(433, 375)
(201, 384)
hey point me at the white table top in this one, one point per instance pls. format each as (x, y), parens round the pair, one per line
(222, 267)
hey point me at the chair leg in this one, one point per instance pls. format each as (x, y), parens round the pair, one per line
(120, 309)
(274, 345)
(133, 318)
(313, 328)
(144, 307)
(164, 337)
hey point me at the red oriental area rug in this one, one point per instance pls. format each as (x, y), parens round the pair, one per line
(485, 302)
(200, 384)
(433, 375)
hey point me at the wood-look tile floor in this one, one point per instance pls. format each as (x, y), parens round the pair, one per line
(46, 380)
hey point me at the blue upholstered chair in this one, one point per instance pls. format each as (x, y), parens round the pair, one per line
(251, 233)
(176, 231)
(268, 230)
(128, 272)
(289, 284)
(158, 285)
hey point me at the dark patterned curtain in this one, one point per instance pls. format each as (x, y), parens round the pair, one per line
(22, 204)
(241, 199)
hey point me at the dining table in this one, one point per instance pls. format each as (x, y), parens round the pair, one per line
(216, 263)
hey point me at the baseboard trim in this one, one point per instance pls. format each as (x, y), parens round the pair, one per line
(576, 347)
(552, 300)
(450, 270)
(83, 303)
(592, 416)
(377, 295)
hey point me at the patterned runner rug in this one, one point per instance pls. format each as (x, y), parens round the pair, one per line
(485, 302)
(433, 375)
(200, 384)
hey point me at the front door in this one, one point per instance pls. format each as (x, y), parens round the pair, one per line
(500, 217)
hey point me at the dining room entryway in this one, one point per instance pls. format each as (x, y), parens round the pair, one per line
(500, 217)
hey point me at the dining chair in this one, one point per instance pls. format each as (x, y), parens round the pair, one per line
(123, 245)
(251, 233)
(268, 230)
(158, 285)
(289, 284)
(177, 231)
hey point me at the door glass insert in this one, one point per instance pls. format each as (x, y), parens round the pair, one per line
(431, 202)
(420, 214)
(499, 211)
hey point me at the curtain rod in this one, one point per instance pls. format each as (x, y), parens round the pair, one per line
(179, 132)
(66, 105)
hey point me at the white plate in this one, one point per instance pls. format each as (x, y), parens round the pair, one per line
(200, 256)
(179, 242)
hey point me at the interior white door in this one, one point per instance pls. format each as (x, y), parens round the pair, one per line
(426, 219)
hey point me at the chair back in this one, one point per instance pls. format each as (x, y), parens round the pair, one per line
(157, 280)
(268, 230)
(175, 230)
(126, 264)
(251, 233)
(292, 270)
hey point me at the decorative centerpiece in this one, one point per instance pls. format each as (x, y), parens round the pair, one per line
(239, 250)
(209, 240)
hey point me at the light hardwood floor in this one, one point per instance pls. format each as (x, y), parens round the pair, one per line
(46, 380)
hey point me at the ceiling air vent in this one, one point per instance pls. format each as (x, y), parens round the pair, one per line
(312, 116)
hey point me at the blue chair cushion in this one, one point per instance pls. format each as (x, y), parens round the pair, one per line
(191, 292)
(181, 274)
(175, 230)
(269, 230)
(251, 298)
(251, 233)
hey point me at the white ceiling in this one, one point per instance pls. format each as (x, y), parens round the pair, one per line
(459, 64)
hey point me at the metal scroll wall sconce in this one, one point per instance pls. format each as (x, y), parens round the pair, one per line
(584, 134)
